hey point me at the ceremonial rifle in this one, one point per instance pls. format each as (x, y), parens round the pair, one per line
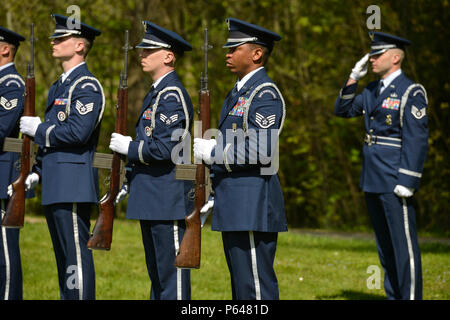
(190, 248)
(101, 237)
(15, 211)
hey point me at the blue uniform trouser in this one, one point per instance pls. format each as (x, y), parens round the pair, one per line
(394, 223)
(161, 241)
(250, 256)
(69, 224)
(10, 265)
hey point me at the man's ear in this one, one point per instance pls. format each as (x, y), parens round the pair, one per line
(257, 54)
(396, 58)
(169, 58)
(4, 49)
(79, 46)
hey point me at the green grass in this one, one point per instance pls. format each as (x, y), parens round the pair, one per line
(308, 267)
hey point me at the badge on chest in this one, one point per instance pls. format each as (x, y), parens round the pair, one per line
(61, 102)
(238, 109)
(147, 115)
(391, 103)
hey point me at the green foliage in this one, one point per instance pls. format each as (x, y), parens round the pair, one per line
(320, 159)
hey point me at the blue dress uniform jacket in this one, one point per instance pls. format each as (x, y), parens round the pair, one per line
(11, 108)
(155, 194)
(396, 135)
(68, 139)
(12, 89)
(67, 142)
(245, 199)
(394, 154)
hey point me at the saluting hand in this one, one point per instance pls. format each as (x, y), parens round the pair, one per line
(120, 143)
(360, 68)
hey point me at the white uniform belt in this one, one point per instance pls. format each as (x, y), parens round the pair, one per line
(385, 141)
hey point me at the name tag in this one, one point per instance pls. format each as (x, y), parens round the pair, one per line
(391, 103)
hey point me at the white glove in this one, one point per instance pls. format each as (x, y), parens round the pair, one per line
(203, 149)
(122, 193)
(403, 192)
(206, 210)
(30, 183)
(120, 143)
(360, 68)
(29, 125)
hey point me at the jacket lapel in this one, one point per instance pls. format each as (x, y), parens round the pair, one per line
(392, 87)
(231, 101)
(171, 77)
(57, 90)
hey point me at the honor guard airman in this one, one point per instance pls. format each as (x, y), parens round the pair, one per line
(12, 88)
(155, 198)
(248, 203)
(67, 140)
(395, 147)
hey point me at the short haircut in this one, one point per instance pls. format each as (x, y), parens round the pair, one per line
(87, 45)
(266, 51)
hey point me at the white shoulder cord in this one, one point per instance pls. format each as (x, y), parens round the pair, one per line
(250, 99)
(183, 102)
(405, 98)
(13, 76)
(69, 99)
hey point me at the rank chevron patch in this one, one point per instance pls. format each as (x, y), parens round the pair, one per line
(170, 120)
(84, 108)
(418, 113)
(265, 122)
(8, 104)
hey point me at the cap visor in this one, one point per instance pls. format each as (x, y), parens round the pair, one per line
(376, 52)
(233, 44)
(144, 45)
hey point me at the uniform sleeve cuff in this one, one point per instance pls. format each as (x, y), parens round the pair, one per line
(348, 92)
(133, 151)
(408, 180)
(41, 136)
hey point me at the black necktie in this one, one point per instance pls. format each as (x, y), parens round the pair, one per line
(59, 82)
(379, 88)
(234, 91)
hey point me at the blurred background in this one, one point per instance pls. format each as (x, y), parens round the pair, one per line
(320, 154)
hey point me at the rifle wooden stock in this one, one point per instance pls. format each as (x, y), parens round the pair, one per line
(15, 211)
(190, 248)
(101, 237)
(189, 253)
